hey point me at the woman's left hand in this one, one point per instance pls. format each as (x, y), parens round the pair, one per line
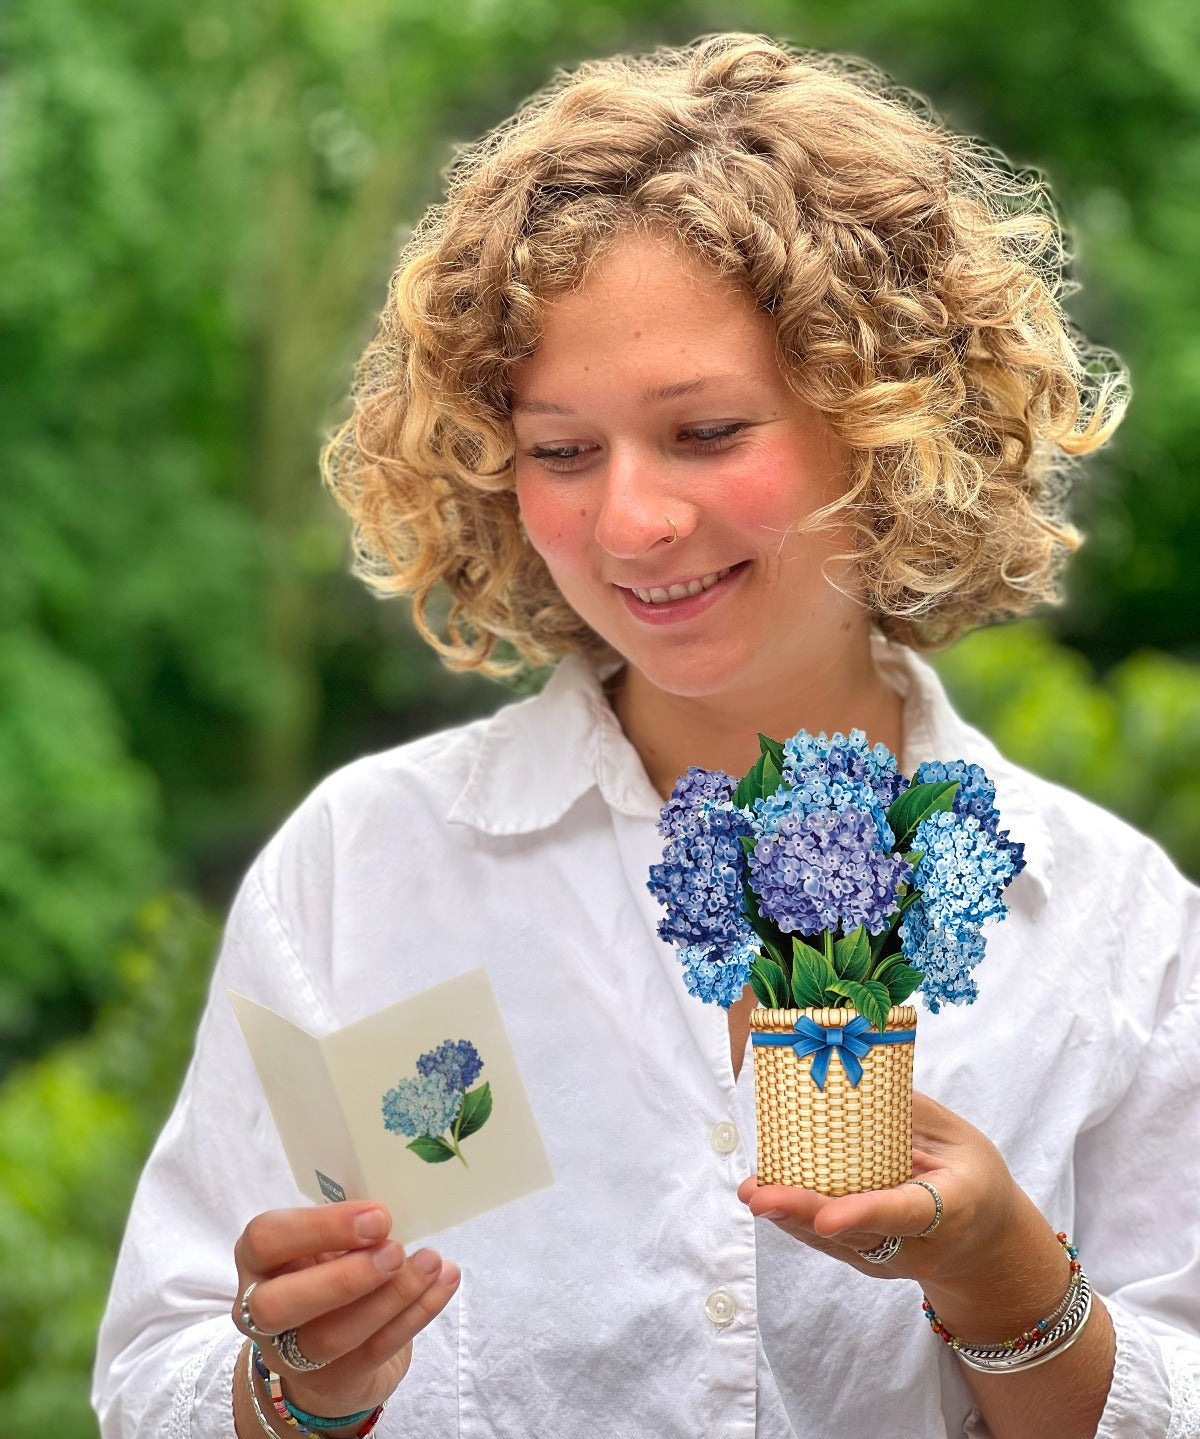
(979, 1202)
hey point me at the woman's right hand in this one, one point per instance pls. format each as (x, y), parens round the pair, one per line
(354, 1298)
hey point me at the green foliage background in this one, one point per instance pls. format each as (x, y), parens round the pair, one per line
(200, 205)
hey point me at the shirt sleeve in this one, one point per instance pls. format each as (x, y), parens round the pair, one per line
(1137, 1184)
(167, 1342)
(1137, 1178)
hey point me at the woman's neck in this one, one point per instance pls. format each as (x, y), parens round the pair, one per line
(671, 732)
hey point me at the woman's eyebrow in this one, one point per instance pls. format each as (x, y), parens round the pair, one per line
(656, 394)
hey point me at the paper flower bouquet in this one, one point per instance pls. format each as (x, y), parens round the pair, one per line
(836, 887)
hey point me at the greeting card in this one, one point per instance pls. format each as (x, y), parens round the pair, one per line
(420, 1106)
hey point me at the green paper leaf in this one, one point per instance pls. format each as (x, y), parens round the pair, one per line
(812, 974)
(871, 999)
(431, 1150)
(747, 842)
(901, 980)
(852, 955)
(772, 778)
(918, 802)
(750, 785)
(774, 982)
(762, 992)
(773, 748)
(476, 1106)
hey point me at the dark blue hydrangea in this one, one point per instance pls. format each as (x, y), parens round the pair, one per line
(420, 1106)
(818, 869)
(976, 795)
(695, 793)
(837, 774)
(702, 874)
(961, 877)
(456, 1060)
(701, 882)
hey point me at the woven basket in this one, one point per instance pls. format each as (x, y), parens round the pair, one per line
(842, 1139)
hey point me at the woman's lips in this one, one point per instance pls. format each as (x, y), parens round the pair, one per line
(674, 611)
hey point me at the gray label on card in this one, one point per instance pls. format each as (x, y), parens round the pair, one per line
(332, 1191)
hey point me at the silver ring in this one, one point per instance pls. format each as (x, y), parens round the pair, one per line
(882, 1252)
(248, 1324)
(290, 1354)
(937, 1199)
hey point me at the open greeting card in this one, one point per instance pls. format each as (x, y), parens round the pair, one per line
(420, 1106)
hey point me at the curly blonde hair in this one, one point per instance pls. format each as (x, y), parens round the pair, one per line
(915, 283)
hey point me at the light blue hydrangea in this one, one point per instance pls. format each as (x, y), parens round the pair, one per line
(420, 1106)
(456, 1060)
(961, 877)
(975, 795)
(836, 774)
(820, 869)
(962, 872)
(946, 956)
(716, 978)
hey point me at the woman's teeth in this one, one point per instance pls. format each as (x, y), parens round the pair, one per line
(681, 592)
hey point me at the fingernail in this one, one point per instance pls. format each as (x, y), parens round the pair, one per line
(427, 1261)
(390, 1258)
(773, 1214)
(371, 1225)
(450, 1274)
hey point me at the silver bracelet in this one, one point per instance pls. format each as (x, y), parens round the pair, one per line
(1001, 1350)
(986, 1359)
(267, 1426)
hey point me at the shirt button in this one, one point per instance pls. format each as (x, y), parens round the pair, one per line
(724, 1137)
(720, 1306)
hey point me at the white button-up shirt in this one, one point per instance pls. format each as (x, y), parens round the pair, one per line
(636, 1295)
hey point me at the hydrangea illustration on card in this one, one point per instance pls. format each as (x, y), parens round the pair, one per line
(836, 887)
(440, 1098)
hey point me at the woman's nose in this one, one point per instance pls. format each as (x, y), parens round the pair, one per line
(637, 511)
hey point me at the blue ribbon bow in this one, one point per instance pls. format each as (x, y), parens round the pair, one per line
(821, 1042)
(852, 1041)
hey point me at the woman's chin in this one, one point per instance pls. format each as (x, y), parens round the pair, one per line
(693, 674)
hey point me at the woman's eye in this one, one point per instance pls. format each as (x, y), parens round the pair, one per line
(706, 438)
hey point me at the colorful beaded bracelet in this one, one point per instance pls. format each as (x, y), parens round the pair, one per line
(296, 1418)
(1022, 1341)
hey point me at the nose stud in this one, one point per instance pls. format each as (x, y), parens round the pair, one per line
(674, 531)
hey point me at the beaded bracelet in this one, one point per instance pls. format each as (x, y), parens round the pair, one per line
(1049, 1332)
(296, 1418)
(1061, 1337)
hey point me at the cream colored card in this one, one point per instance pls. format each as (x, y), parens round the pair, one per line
(359, 1110)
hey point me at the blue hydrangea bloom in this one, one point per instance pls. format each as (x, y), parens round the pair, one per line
(695, 793)
(703, 870)
(456, 1060)
(817, 869)
(837, 774)
(716, 978)
(420, 1106)
(945, 956)
(701, 881)
(962, 874)
(976, 795)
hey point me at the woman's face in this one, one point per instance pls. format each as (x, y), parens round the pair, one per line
(655, 393)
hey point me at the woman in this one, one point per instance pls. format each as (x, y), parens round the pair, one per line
(730, 381)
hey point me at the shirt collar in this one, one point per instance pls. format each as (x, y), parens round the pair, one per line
(540, 755)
